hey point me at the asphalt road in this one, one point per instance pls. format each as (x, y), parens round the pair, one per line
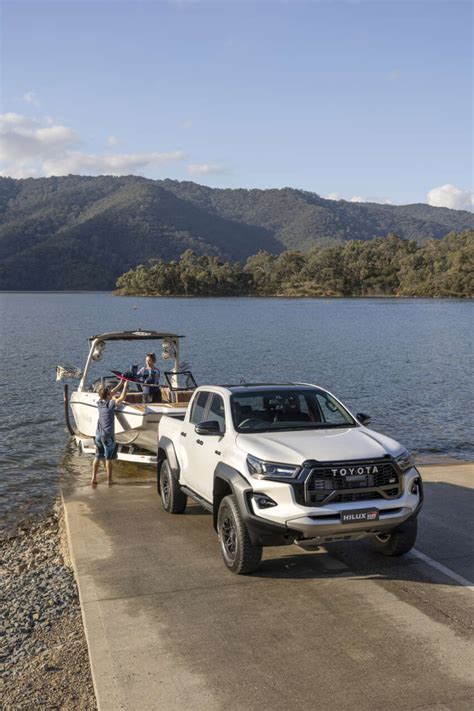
(169, 627)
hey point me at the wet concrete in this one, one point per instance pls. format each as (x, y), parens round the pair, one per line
(169, 627)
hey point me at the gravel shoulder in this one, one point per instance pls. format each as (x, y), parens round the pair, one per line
(45, 658)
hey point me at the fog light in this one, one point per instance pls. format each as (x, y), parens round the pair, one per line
(263, 501)
(414, 489)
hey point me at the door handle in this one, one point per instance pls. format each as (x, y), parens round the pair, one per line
(199, 441)
(183, 434)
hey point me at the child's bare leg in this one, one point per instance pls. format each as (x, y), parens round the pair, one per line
(108, 467)
(95, 469)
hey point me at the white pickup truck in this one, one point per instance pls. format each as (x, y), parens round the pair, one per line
(286, 463)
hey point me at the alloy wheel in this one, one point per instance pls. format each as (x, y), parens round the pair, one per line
(229, 537)
(165, 489)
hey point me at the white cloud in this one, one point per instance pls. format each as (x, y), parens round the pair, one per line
(372, 198)
(359, 198)
(25, 143)
(39, 147)
(205, 169)
(15, 120)
(113, 141)
(109, 164)
(451, 196)
(31, 98)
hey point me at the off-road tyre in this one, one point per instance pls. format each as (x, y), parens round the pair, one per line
(400, 541)
(240, 555)
(173, 499)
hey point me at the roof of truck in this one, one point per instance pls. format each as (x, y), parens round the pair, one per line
(243, 387)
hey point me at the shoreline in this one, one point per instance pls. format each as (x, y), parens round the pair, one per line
(46, 663)
(321, 297)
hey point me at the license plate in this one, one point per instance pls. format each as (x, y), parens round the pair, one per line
(359, 516)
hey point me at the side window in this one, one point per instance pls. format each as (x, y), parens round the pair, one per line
(199, 406)
(216, 411)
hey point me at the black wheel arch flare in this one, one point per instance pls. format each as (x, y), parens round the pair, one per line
(167, 451)
(228, 480)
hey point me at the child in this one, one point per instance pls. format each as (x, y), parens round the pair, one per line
(105, 446)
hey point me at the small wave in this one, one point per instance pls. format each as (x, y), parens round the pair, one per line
(28, 423)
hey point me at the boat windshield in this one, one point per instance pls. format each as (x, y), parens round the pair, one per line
(265, 411)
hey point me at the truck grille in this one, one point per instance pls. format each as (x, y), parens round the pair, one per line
(361, 481)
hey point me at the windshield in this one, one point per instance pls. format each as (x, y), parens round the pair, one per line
(270, 410)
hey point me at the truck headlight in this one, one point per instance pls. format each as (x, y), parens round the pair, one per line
(405, 460)
(271, 470)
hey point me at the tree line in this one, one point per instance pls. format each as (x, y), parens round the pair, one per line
(387, 266)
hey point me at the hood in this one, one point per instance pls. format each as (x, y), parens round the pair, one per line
(323, 445)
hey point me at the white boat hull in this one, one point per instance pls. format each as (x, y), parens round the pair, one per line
(134, 424)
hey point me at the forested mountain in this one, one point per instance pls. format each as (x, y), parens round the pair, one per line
(79, 232)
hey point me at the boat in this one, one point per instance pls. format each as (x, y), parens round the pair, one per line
(136, 419)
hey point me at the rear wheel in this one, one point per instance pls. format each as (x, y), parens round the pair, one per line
(399, 541)
(173, 499)
(240, 555)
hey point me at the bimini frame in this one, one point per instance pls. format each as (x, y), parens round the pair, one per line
(97, 343)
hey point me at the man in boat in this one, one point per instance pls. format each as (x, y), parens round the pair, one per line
(150, 375)
(105, 446)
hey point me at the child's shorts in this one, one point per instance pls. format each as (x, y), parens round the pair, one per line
(105, 448)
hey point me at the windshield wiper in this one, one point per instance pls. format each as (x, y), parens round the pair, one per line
(318, 426)
(291, 428)
(332, 425)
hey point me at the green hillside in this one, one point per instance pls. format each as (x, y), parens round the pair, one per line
(79, 232)
(389, 266)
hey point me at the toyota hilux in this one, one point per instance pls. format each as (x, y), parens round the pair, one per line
(278, 464)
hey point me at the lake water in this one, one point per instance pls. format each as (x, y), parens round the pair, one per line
(408, 363)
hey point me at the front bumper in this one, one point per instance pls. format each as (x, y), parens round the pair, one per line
(279, 525)
(327, 528)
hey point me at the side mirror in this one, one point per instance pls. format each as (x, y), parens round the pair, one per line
(208, 427)
(364, 419)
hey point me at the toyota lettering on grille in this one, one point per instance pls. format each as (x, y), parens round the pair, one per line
(355, 471)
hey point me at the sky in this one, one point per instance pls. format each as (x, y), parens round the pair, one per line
(349, 99)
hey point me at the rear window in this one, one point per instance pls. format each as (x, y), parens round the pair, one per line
(287, 410)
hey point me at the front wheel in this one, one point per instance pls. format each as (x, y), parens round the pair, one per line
(400, 541)
(240, 555)
(173, 499)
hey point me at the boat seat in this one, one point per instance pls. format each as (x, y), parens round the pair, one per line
(184, 397)
(174, 397)
(134, 398)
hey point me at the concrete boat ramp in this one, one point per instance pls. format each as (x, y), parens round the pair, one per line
(168, 627)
